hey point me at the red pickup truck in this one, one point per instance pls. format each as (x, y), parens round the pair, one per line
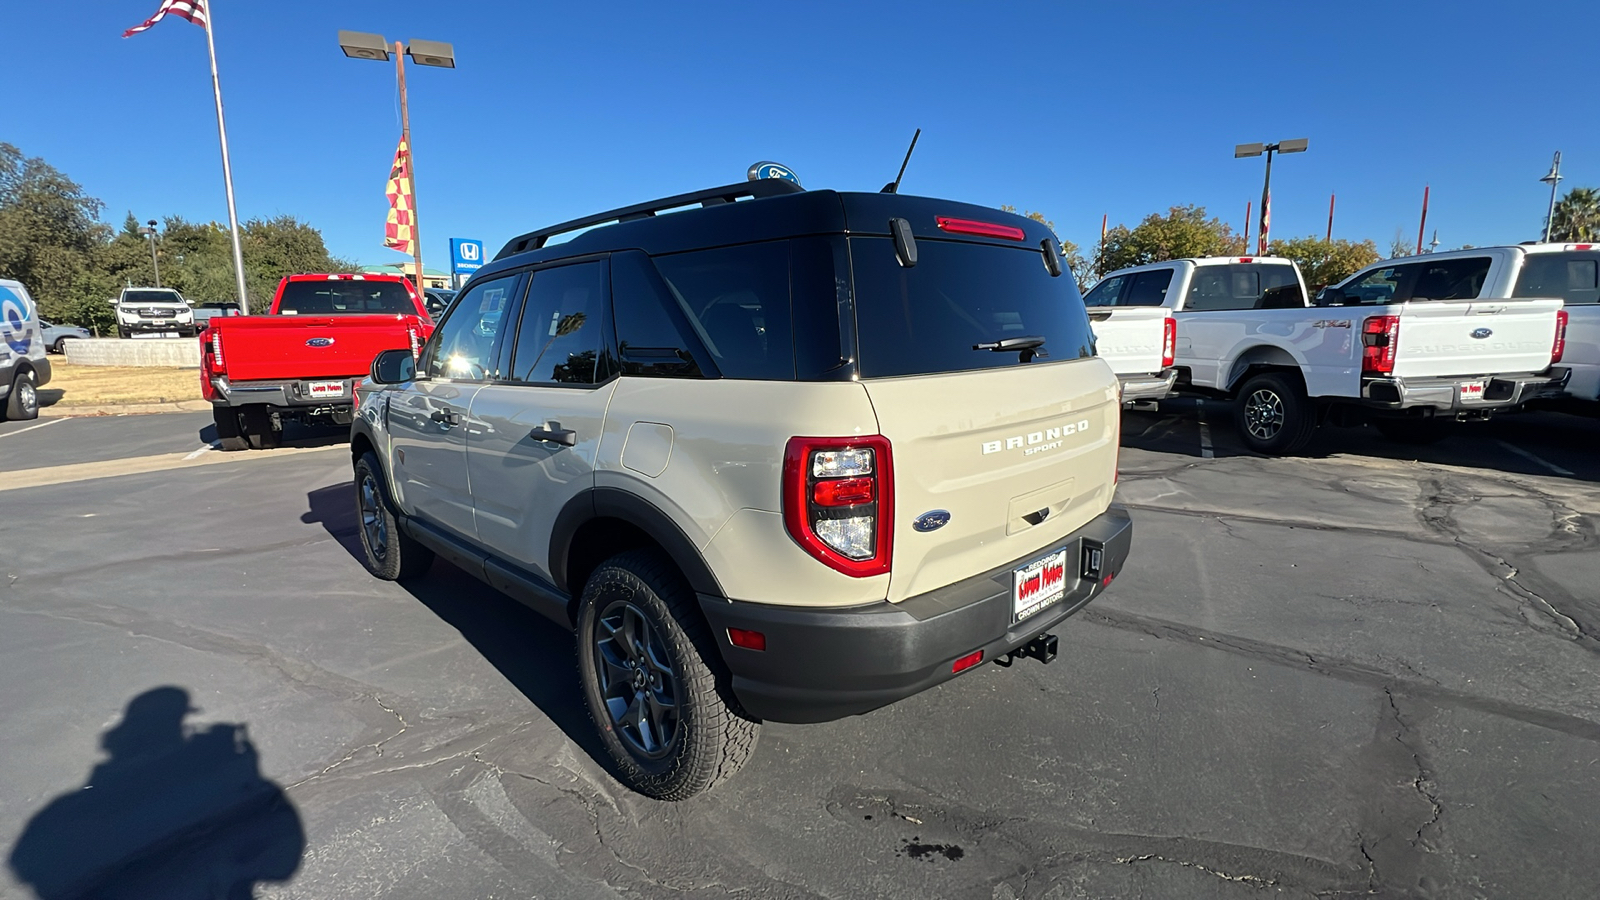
(300, 362)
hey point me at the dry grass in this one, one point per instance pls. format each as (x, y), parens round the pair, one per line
(96, 385)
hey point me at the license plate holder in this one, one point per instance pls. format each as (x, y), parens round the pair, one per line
(1038, 585)
(1473, 391)
(325, 390)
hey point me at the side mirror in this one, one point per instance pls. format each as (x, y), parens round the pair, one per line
(394, 367)
(1331, 296)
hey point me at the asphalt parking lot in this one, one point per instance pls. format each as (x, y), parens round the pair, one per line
(1374, 670)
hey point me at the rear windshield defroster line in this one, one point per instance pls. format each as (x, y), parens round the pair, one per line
(927, 319)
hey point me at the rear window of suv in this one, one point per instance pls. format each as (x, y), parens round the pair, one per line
(926, 319)
(341, 297)
(1572, 276)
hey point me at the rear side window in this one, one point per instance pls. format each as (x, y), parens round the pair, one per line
(738, 302)
(560, 335)
(651, 337)
(1388, 284)
(1574, 277)
(1243, 286)
(1451, 279)
(342, 296)
(1148, 288)
(927, 318)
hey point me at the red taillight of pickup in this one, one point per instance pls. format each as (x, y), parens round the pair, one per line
(838, 501)
(210, 362)
(1169, 342)
(1560, 346)
(1380, 341)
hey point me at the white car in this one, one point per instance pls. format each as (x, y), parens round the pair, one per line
(23, 364)
(1424, 348)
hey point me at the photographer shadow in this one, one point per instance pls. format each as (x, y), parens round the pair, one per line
(174, 812)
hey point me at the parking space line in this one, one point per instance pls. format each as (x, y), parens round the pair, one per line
(1531, 458)
(1205, 430)
(206, 449)
(32, 427)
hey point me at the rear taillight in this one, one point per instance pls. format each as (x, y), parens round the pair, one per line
(1380, 340)
(838, 501)
(1560, 346)
(416, 341)
(216, 351)
(1169, 342)
(208, 391)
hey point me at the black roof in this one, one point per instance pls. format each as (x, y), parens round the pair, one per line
(748, 212)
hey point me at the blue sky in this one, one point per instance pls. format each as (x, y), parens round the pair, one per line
(1074, 110)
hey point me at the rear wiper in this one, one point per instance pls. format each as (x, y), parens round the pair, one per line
(1011, 345)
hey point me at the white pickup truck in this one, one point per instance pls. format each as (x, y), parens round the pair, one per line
(1423, 349)
(1135, 333)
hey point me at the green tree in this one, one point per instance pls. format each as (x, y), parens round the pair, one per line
(1182, 233)
(1577, 216)
(49, 232)
(1323, 262)
(1070, 253)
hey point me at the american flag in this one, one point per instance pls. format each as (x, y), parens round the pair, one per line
(399, 229)
(193, 10)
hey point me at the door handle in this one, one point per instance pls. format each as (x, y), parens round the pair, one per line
(446, 418)
(566, 437)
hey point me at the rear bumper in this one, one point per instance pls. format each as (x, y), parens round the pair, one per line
(1148, 387)
(1500, 391)
(286, 395)
(824, 664)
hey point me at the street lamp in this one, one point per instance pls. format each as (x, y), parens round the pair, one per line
(1240, 151)
(1553, 178)
(149, 231)
(360, 45)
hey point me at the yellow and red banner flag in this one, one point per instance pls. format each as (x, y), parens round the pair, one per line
(399, 231)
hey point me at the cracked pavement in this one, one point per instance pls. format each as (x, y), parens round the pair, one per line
(1373, 671)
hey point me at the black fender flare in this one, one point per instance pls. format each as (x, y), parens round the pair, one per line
(614, 503)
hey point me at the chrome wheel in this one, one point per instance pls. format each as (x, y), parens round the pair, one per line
(637, 682)
(373, 525)
(27, 396)
(1263, 414)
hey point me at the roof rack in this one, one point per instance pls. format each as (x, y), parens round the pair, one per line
(766, 187)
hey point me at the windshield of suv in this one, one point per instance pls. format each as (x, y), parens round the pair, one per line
(928, 318)
(1572, 276)
(341, 297)
(151, 297)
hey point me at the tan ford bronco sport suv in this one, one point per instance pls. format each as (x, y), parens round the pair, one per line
(781, 454)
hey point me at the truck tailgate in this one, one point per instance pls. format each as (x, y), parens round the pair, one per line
(1130, 338)
(1475, 337)
(264, 348)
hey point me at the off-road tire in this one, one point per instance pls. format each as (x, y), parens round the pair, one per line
(713, 737)
(23, 401)
(229, 436)
(389, 553)
(1274, 415)
(1416, 432)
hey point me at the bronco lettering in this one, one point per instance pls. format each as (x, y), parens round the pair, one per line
(1037, 441)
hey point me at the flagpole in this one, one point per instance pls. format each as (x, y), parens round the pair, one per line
(411, 159)
(227, 170)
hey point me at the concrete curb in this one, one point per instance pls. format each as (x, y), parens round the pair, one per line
(123, 409)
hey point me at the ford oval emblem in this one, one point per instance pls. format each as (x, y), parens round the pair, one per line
(1481, 333)
(932, 520)
(320, 342)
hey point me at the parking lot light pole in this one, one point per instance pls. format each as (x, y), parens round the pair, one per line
(360, 45)
(1240, 151)
(1553, 178)
(149, 231)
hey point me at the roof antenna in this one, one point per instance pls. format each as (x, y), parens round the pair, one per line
(893, 187)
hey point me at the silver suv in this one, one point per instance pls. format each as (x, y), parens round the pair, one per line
(788, 455)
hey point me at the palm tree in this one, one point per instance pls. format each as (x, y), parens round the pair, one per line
(1577, 216)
